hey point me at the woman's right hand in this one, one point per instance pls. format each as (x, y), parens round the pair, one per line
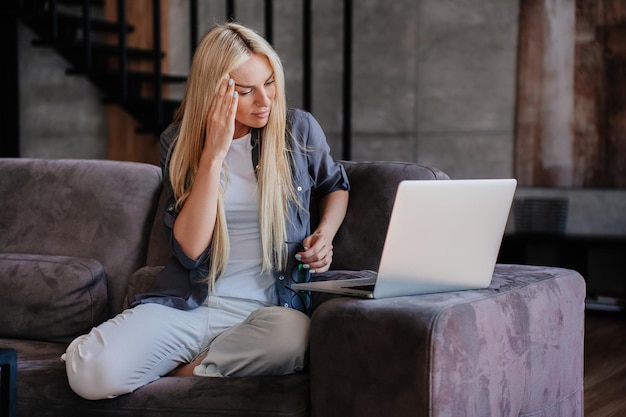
(220, 121)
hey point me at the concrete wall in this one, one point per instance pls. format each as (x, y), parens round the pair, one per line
(434, 82)
(60, 116)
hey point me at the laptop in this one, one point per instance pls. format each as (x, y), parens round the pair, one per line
(442, 236)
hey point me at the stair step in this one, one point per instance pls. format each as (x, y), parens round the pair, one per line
(132, 75)
(64, 20)
(99, 3)
(168, 103)
(98, 47)
(144, 112)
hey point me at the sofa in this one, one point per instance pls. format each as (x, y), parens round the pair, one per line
(79, 237)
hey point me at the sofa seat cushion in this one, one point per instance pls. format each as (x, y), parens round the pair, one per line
(43, 391)
(50, 298)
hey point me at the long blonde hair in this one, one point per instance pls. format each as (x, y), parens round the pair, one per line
(222, 49)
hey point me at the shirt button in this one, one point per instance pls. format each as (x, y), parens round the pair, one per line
(286, 305)
(299, 188)
(281, 278)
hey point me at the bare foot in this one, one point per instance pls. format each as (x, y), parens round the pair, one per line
(187, 368)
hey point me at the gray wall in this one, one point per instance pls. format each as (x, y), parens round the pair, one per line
(434, 82)
(60, 116)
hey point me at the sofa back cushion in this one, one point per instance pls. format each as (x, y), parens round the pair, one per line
(50, 298)
(99, 210)
(359, 243)
(159, 251)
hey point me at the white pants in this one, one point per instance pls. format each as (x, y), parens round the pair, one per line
(139, 345)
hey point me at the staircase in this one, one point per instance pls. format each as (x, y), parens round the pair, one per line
(97, 48)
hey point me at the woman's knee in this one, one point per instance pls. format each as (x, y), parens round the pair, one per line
(99, 365)
(90, 374)
(271, 341)
(287, 337)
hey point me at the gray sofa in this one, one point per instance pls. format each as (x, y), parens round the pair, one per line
(77, 236)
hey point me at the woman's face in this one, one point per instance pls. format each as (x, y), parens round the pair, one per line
(254, 82)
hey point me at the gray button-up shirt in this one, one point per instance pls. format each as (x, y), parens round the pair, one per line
(315, 173)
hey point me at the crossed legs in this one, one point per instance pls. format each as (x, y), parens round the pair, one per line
(227, 337)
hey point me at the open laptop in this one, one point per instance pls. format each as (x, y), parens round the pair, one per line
(442, 236)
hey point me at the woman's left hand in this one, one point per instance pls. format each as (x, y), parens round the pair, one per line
(318, 248)
(318, 253)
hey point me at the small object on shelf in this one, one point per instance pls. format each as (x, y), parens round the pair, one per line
(540, 215)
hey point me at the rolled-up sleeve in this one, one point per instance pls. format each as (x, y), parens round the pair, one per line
(327, 174)
(189, 263)
(168, 139)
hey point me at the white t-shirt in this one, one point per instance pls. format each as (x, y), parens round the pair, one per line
(243, 278)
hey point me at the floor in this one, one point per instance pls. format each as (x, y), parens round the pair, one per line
(605, 365)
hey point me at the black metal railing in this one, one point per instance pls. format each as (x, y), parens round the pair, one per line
(91, 58)
(9, 86)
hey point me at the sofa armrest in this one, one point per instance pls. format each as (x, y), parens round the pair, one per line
(50, 298)
(516, 346)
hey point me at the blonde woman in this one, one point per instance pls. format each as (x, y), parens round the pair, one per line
(242, 170)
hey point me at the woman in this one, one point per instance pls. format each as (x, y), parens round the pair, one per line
(242, 170)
